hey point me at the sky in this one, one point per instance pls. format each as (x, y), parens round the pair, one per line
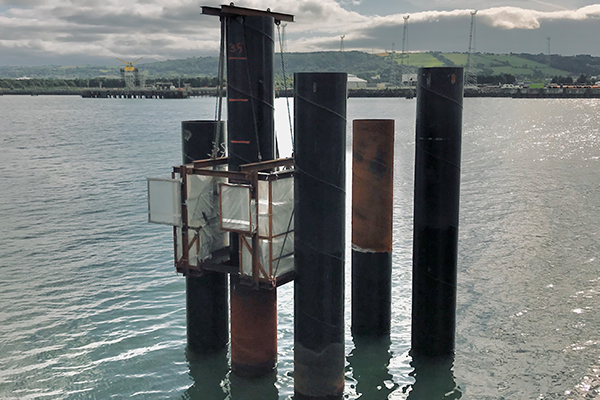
(96, 32)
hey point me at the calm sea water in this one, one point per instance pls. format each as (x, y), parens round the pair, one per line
(90, 305)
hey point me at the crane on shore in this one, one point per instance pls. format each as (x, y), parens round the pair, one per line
(130, 73)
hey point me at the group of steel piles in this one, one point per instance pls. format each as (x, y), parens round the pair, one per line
(317, 217)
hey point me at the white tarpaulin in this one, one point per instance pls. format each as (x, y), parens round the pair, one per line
(282, 204)
(203, 216)
(275, 228)
(237, 208)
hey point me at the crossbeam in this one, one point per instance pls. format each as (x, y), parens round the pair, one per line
(231, 10)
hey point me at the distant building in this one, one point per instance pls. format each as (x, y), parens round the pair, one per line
(164, 86)
(409, 79)
(354, 82)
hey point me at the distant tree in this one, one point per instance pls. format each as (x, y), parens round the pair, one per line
(203, 81)
(495, 79)
(562, 80)
(582, 79)
(537, 74)
(446, 61)
(487, 71)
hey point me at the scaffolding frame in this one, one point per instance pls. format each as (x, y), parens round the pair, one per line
(250, 176)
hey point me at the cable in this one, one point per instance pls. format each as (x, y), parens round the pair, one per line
(219, 105)
(287, 100)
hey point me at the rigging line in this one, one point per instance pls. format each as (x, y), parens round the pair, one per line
(250, 95)
(424, 87)
(299, 97)
(430, 154)
(252, 98)
(219, 105)
(244, 160)
(319, 320)
(318, 251)
(263, 33)
(221, 68)
(285, 87)
(296, 168)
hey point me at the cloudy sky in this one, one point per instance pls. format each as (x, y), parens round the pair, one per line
(73, 32)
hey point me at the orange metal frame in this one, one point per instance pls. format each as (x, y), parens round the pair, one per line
(250, 175)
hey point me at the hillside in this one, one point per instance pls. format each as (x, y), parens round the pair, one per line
(373, 67)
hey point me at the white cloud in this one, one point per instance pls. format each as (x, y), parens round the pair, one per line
(163, 29)
(519, 18)
(501, 17)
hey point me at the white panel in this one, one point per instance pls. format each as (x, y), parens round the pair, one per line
(192, 248)
(283, 245)
(264, 253)
(201, 200)
(246, 260)
(164, 201)
(283, 266)
(236, 213)
(263, 208)
(283, 205)
(179, 244)
(283, 254)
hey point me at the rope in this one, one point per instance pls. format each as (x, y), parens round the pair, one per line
(285, 87)
(219, 105)
(298, 97)
(424, 87)
(316, 178)
(319, 251)
(252, 97)
(443, 96)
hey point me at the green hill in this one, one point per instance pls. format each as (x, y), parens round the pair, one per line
(495, 64)
(373, 67)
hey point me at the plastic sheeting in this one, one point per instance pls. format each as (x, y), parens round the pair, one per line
(238, 209)
(203, 217)
(282, 250)
(276, 256)
(199, 249)
(164, 201)
(275, 228)
(282, 203)
(246, 256)
(178, 245)
(264, 226)
(192, 250)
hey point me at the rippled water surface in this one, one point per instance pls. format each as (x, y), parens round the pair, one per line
(90, 305)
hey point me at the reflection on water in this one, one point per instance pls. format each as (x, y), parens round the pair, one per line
(434, 379)
(213, 380)
(254, 389)
(369, 361)
(209, 373)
